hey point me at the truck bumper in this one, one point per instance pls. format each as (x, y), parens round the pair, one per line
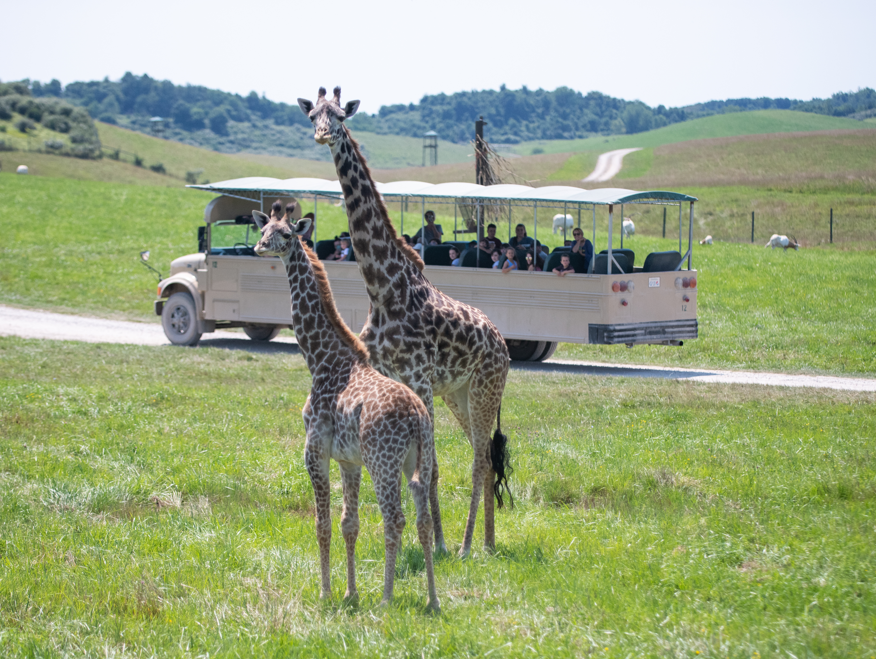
(662, 332)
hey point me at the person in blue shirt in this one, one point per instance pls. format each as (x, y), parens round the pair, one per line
(510, 261)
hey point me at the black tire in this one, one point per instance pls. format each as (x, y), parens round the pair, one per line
(179, 318)
(524, 351)
(550, 347)
(262, 332)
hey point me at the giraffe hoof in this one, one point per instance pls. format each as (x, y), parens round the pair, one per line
(433, 607)
(440, 548)
(463, 552)
(351, 599)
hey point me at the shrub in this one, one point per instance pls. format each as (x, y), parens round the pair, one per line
(192, 177)
(219, 122)
(6, 147)
(5, 110)
(537, 150)
(24, 125)
(2, 129)
(115, 154)
(158, 168)
(138, 161)
(54, 145)
(57, 123)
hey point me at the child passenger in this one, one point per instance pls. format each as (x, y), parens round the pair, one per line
(565, 266)
(454, 257)
(510, 261)
(495, 256)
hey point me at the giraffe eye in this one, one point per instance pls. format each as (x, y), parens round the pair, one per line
(286, 235)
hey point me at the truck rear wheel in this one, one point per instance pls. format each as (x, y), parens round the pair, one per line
(262, 332)
(550, 347)
(179, 318)
(524, 351)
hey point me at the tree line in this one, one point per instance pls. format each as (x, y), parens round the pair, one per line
(512, 115)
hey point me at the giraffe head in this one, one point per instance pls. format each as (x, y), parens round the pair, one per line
(279, 234)
(327, 116)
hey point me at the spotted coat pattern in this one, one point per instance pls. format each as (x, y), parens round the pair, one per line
(353, 415)
(416, 334)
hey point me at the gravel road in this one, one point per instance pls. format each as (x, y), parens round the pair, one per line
(31, 324)
(608, 165)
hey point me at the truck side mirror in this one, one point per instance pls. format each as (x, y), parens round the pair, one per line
(202, 239)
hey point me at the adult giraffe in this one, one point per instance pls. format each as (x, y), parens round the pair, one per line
(415, 333)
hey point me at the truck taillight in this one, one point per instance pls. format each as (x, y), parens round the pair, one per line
(615, 286)
(623, 287)
(692, 282)
(158, 294)
(630, 286)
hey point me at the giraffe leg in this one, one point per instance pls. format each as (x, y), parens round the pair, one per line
(420, 494)
(424, 392)
(352, 477)
(458, 402)
(387, 486)
(318, 470)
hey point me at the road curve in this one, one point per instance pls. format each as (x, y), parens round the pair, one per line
(31, 324)
(608, 165)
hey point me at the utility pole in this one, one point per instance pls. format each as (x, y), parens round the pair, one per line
(480, 170)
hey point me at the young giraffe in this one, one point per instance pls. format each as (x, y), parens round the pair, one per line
(415, 333)
(353, 414)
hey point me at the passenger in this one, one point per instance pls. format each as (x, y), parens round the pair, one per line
(530, 266)
(521, 240)
(429, 232)
(582, 246)
(492, 241)
(455, 261)
(510, 261)
(345, 249)
(484, 246)
(291, 210)
(336, 255)
(565, 266)
(495, 256)
(408, 240)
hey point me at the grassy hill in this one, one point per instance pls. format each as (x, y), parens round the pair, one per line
(722, 125)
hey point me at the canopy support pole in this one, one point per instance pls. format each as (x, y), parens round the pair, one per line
(455, 233)
(401, 205)
(679, 226)
(314, 220)
(423, 228)
(690, 236)
(564, 223)
(535, 235)
(509, 220)
(622, 226)
(610, 225)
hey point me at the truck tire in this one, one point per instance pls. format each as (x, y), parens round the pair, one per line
(524, 351)
(550, 347)
(179, 318)
(262, 332)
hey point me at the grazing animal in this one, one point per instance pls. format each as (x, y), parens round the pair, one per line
(416, 334)
(628, 227)
(558, 222)
(22, 169)
(782, 241)
(706, 241)
(353, 414)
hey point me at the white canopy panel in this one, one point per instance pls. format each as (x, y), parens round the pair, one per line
(246, 187)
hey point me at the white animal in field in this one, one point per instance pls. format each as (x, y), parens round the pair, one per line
(558, 222)
(706, 241)
(22, 169)
(782, 241)
(628, 228)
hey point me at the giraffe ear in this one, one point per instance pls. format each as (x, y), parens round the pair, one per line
(260, 219)
(350, 109)
(305, 105)
(302, 226)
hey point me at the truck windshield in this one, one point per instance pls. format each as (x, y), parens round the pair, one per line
(232, 234)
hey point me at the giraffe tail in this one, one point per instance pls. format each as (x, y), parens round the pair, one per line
(501, 463)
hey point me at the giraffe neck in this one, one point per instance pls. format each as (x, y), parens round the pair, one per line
(385, 265)
(321, 334)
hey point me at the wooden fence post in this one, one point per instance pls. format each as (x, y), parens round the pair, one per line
(752, 226)
(831, 226)
(664, 221)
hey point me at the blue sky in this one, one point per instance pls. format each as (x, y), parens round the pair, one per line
(382, 52)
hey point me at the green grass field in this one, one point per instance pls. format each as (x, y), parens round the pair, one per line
(155, 504)
(722, 125)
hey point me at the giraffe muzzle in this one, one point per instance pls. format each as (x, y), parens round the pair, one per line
(323, 138)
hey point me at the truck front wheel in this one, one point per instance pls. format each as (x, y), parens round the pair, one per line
(180, 320)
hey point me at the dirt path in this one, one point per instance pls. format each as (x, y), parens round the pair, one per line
(608, 165)
(32, 324)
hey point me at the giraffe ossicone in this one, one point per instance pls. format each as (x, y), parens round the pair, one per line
(353, 415)
(416, 334)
